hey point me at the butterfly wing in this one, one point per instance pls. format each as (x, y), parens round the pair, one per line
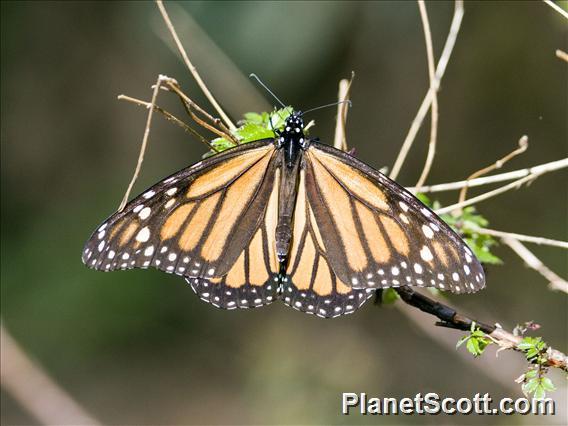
(194, 223)
(377, 234)
(253, 280)
(310, 284)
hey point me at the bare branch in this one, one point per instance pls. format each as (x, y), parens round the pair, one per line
(217, 126)
(555, 282)
(562, 55)
(521, 237)
(151, 108)
(34, 390)
(192, 68)
(169, 116)
(440, 70)
(339, 140)
(513, 185)
(523, 146)
(535, 170)
(450, 318)
(557, 8)
(434, 107)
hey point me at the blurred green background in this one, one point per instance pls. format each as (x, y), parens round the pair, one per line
(138, 347)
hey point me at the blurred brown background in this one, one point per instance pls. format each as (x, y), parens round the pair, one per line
(138, 346)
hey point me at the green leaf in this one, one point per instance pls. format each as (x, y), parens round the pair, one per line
(389, 296)
(547, 384)
(252, 132)
(530, 386)
(539, 392)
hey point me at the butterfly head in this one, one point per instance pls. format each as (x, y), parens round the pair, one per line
(293, 132)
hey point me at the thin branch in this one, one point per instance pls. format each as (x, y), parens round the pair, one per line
(554, 281)
(562, 55)
(521, 237)
(440, 70)
(450, 318)
(340, 140)
(513, 185)
(434, 108)
(170, 117)
(523, 146)
(192, 68)
(535, 171)
(557, 8)
(34, 390)
(190, 105)
(159, 81)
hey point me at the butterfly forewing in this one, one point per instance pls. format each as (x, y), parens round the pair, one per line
(195, 223)
(252, 280)
(379, 235)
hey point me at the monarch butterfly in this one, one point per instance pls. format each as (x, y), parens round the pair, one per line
(285, 218)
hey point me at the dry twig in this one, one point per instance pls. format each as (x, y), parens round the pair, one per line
(520, 237)
(450, 318)
(440, 70)
(533, 262)
(170, 117)
(523, 145)
(339, 140)
(151, 108)
(31, 387)
(513, 185)
(516, 174)
(557, 8)
(192, 68)
(434, 106)
(562, 55)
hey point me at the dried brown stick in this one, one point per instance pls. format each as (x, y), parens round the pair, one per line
(450, 318)
(555, 282)
(34, 389)
(427, 101)
(159, 81)
(434, 107)
(192, 68)
(170, 117)
(340, 140)
(523, 146)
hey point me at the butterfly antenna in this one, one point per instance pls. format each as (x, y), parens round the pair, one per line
(253, 75)
(328, 105)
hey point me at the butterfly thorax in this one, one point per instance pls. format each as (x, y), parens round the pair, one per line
(292, 139)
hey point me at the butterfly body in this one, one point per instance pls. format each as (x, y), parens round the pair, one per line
(285, 218)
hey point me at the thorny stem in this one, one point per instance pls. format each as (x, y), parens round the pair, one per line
(450, 318)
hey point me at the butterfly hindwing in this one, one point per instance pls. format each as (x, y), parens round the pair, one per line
(310, 285)
(194, 223)
(377, 234)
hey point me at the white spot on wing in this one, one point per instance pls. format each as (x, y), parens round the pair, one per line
(143, 235)
(426, 254)
(144, 213)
